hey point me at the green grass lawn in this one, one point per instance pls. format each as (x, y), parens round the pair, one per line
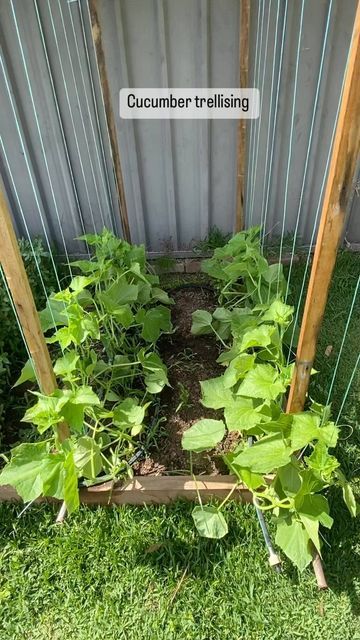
(143, 573)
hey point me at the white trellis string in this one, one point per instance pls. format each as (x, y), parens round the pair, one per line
(25, 155)
(103, 104)
(262, 213)
(261, 103)
(318, 208)
(17, 319)
(95, 101)
(297, 65)
(343, 340)
(348, 389)
(39, 133)
(256, 125)
(99, 200)
(72, 119)
(315, 105)
(275, 118)
(249, 176)
(56, 102)
(26, 226)
(102, 165)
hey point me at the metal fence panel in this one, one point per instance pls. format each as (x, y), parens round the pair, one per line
(179, 176)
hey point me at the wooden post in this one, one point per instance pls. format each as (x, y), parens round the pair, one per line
(337, 194)
(12, 263)
(241, 134)
(100, 58)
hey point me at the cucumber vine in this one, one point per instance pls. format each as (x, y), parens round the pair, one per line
(102, 331)
(289, 465)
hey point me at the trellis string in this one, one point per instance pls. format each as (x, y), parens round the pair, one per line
(56, 102)
(314, 110)
(39, 133)
(99, 200)
(297, 65)
(275, 117)
(261, 103)
(96, 111)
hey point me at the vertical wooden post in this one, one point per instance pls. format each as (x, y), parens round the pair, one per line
(13, 266)
(338, 190)
(241, 133)
(110, 119)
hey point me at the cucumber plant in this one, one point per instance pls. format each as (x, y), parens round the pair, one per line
(290, 465)
(102, 331)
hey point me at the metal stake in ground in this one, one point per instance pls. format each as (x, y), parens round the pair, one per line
(274, 560)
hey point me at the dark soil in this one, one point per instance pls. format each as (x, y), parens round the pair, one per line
(189, 359)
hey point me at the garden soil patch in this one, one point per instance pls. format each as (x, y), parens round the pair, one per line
(190, 359)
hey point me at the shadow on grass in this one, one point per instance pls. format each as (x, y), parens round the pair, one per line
(201, 557)
(342, 557)
(184, 549)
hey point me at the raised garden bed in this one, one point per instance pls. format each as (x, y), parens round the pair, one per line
(161, 476)
(197, 381)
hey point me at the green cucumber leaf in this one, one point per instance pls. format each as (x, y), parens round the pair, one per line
(155, 321)
(279, 312)
(118, 294)
(304, 429)
(73, 415)
(34, 471)
(237, 369)
(124, 315)
(53, 315)
(315, 507)
(24, 471)
(293, 539)
(348, 494)
(210, 522)
(201, 323)
(85, 395)
(87, 457)
(129, 413)
(349, 499)
(67, 363)
(242, 414)
(71, 491)
(321, 461)
(203, 435)
(214, 394)
(260, 336)
(269, 453)
(27, 374)
(252, 480)
(262, 382)
(161, 295)
(312, 528)
(290, 479)
(53, 475)
(47, 412)
(79, 283)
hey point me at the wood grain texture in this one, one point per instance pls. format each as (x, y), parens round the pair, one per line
(152, 490)
(23, 299)
(336, 199)
(100, 58)
(241, 133)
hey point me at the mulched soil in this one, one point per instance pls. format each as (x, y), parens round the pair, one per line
(189, 359)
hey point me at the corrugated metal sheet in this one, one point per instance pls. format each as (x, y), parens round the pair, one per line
(54, 153)
(179, 176)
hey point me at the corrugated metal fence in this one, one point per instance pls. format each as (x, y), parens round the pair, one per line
(179, 176)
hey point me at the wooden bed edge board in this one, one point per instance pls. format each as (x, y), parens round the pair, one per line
(151, 490)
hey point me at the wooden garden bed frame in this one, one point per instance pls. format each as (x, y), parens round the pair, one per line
(142, 490)
(164, 489)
